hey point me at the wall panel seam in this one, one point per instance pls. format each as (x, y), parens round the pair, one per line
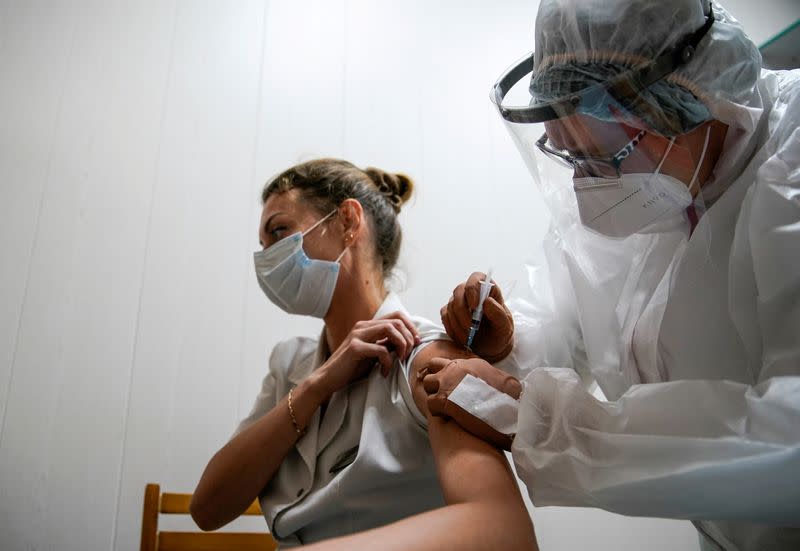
(154, 185)
(35, 238)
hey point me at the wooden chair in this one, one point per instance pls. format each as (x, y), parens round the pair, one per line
(156, 502)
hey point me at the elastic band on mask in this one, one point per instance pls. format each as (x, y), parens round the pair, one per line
(700, 162)
(664, 158)
(320, 221)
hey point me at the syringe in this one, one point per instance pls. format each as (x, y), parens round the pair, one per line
(477, 314)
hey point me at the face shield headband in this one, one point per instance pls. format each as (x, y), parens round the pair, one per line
(621, 92)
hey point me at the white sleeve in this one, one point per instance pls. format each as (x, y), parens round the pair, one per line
(542, 339)
(268, 396)
(428, 334)
(694, 449)
(546, 328)
(685, 449)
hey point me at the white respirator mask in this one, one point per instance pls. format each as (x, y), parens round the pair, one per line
(629, 204)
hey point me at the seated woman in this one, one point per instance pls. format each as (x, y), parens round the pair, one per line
(336, 442)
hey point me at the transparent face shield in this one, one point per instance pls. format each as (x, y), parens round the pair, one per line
(608, 156)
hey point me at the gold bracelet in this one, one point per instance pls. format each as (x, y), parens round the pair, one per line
(300, 432)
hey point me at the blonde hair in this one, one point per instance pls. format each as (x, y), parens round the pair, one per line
(325, 183)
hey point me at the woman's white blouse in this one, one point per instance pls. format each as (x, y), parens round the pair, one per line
(366, 463)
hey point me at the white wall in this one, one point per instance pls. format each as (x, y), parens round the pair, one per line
(765, 19)
(135, 138)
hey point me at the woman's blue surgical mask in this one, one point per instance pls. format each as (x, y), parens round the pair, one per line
(294, 282)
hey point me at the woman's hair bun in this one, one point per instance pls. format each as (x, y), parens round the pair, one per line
(396, 188)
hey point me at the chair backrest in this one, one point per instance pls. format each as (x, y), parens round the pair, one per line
(156, 503)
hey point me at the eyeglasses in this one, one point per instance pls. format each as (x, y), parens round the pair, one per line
(598, 167)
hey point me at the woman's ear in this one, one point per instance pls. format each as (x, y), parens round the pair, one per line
(351, 217)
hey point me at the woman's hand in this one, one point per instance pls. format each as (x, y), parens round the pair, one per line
(495, 337)
(369, 341)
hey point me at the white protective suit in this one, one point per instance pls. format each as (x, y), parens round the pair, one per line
(693, 337)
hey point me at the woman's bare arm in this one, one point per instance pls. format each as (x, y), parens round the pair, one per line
(484, 507)
(242, 467)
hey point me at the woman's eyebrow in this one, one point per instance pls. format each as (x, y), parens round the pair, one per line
(266, 224)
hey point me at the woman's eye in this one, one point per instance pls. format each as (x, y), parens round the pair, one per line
(278, 233)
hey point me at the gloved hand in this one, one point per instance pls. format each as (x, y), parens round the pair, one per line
(495, 337)
(441, 376)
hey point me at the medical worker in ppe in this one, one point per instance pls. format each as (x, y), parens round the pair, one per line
(335, 442)
(670, 277)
